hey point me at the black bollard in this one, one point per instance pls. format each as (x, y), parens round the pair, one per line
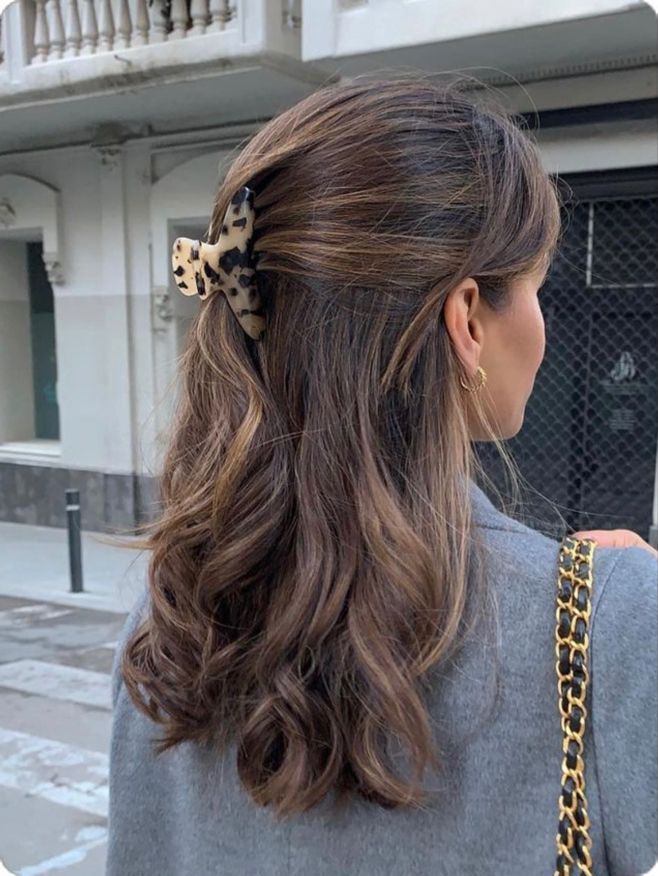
(75, 545)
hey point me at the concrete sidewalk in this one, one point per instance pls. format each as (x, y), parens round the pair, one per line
(34, 564)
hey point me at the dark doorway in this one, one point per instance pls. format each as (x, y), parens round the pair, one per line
(44, 356)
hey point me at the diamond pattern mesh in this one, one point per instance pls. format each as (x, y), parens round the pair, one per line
(589, 438)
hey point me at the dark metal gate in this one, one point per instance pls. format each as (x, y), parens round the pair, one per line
(590, 434)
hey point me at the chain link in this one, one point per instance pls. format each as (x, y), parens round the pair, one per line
(574, 606)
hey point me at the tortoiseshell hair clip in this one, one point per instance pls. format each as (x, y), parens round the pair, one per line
(228, 265)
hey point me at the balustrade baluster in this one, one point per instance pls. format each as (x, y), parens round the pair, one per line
(106, 27)
(215, 9)
(140, 34)
(199, 15)
(41, 39)
(178, 18)
(56, 30)
(124, 28)
(73, 33)
(89, 29)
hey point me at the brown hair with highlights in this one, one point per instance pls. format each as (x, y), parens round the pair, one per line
(314, 555)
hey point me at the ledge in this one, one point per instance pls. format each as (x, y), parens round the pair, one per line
(39, 450)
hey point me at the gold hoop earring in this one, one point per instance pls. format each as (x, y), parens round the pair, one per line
(483, 379)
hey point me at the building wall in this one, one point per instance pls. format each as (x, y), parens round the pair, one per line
(101, 375)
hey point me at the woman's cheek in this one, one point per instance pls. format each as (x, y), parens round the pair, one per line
(542, 331)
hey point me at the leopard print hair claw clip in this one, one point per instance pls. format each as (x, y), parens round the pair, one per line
(203, 268)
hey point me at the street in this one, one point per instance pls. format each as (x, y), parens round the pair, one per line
(55, 722)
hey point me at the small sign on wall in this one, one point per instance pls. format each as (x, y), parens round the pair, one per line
(624, 384)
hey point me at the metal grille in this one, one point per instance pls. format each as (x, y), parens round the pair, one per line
(588, 442)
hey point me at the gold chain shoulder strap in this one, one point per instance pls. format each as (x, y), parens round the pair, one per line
(574, 607)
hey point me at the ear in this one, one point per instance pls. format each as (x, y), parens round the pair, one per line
(461, 315)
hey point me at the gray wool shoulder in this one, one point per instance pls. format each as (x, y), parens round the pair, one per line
(494, 807)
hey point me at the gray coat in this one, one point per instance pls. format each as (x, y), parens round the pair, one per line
(184, 813)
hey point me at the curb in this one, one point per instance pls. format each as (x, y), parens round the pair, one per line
(93, 601)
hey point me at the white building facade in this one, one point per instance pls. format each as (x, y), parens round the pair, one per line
(116, 120)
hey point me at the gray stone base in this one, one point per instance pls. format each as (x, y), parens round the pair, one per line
(36, 494)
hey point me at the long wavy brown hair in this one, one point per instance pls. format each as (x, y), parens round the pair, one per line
(315, 555)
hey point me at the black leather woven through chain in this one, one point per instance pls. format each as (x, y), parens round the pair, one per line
(574, 606)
